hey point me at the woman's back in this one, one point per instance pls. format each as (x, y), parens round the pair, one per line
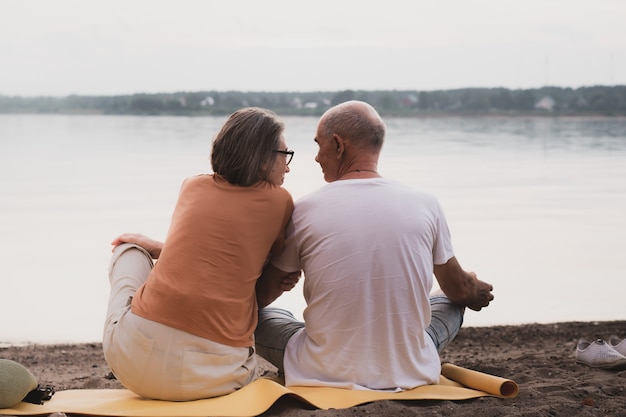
(219, 239)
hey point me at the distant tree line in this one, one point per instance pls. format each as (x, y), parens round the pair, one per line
(594, 100)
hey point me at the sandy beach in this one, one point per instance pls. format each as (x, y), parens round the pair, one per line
(539, 357)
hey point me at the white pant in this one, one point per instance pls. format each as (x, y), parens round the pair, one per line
(158, 361)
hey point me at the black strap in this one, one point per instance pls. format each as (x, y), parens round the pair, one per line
(39, 395)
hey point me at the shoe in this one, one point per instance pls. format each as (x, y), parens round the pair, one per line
(617, 344)
(599, 354)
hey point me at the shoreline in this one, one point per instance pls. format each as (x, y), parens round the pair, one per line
(540, 358)
(8, 344)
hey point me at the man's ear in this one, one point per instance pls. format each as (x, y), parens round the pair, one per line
(340, 145)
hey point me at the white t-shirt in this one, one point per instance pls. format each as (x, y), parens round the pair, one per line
(367, 249)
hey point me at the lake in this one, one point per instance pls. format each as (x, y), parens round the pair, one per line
(536, 206)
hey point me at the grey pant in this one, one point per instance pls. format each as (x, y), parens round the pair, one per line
(276, 326)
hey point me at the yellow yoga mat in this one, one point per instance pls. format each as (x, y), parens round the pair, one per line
(456, 383)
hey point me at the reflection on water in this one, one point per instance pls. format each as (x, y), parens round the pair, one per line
(574, 133)
(535, 206)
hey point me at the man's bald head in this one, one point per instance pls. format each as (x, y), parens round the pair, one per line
(356, 121)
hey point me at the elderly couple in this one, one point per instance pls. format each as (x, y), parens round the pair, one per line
(188, 325)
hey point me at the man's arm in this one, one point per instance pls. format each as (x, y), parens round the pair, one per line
(272, 283)
(463, 287)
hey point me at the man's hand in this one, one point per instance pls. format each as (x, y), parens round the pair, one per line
(482, 294)
(463, 287)
(153, 247)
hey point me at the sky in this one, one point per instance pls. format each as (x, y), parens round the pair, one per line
(118, 47)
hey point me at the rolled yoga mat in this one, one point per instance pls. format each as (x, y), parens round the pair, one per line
(490, 384)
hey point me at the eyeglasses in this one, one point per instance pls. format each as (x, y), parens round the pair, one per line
(289, 154)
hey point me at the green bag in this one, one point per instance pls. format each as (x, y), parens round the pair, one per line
(18, 384)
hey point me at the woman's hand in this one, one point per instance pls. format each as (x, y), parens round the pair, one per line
(290, 281)
(153, 247)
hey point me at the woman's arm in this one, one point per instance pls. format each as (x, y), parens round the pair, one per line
(273, 282)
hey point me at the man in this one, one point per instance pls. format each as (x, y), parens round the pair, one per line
(368, 247)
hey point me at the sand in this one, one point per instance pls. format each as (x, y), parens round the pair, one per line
(539, 357)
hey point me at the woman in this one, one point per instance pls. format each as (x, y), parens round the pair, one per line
(183, 328)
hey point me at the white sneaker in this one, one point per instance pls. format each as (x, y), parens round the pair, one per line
(617, 344)
(599, 354)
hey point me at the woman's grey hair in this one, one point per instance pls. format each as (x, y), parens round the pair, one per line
(362, 129)
(244, 149)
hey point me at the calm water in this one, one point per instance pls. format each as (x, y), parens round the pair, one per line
(537, 206)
